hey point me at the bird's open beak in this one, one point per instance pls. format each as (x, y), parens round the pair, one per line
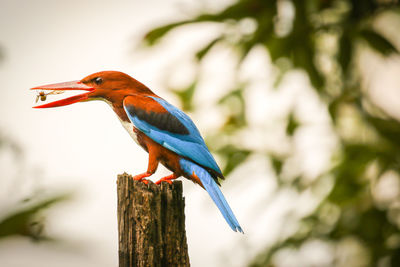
(58, 87)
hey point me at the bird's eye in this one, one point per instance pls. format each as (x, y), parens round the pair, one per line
(98, 80)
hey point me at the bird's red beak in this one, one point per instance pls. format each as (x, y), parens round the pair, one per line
(74, 85)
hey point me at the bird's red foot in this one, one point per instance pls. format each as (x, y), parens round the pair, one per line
(167, 179)
(140, 177)
(161, 180)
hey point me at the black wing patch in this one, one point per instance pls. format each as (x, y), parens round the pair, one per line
(163, 121)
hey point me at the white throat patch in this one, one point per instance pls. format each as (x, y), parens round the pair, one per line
(127, 124)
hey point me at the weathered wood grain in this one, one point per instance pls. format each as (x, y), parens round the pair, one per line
(151, 224)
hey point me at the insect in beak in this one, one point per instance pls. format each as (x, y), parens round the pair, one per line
(43, 96)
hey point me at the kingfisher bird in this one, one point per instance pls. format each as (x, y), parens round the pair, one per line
(168, 135)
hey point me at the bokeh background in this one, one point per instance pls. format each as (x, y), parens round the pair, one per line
(299, 102)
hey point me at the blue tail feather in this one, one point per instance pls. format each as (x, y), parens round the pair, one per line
(213, 190)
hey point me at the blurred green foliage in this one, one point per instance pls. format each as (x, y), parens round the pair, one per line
(25, 216)
(349, 210)
(1, 54)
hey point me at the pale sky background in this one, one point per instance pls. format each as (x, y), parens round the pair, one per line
(83, 147)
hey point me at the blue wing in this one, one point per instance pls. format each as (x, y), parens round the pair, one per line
(187, 143)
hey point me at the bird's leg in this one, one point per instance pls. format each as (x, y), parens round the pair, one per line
(151, 169)
(140, 177)
(167, 179)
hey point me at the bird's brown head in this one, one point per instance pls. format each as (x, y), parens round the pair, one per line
(111, 86)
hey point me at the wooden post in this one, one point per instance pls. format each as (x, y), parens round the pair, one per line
(151, 224)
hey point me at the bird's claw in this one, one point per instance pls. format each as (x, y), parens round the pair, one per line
(167, 179)
(163, 180)
(145, 181)
(141, 177)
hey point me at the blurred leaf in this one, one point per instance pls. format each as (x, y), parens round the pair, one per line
(202, 52)
(302, 45)
(345, 52)
(186, 96)
(388, 128)
(277, 164)
(264, 32)
(333, 108)
(234, 156)
(239, 10)
(23, 221)
(292, 124)
(378, 42)
(362, 9)
(284, 65)
(350, 181)
(153, 36)
(235, 104)
(2, 55)
(303, 57)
